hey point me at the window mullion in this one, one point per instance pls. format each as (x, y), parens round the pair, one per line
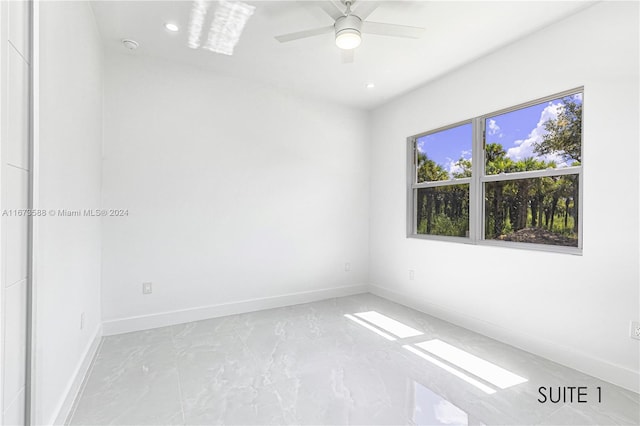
(411, 180)
(436, 183)
(532, 174)
(475, 190)
(580, 204)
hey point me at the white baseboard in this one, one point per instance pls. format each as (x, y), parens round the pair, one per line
(612, 373)
(162, 319)
(75, 384)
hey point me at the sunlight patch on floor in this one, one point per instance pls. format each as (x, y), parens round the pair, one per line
(370, 327)
(450, 369)
(477, 366)
(390, 325)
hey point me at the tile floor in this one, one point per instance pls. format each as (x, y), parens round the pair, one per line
(309, 364)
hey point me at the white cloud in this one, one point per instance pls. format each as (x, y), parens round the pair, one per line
(493, 128)
(525, 147)
(451, 165)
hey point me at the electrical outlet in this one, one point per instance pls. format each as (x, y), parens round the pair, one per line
(634, 330)
(347, 267)
(412, 274)
(82, 321)
(147, 288)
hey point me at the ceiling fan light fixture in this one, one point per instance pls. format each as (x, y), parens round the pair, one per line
(348, 32)
(348, 39)
(348, 27)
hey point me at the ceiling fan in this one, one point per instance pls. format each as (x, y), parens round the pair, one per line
(349, 26)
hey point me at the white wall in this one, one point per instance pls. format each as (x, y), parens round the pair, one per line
(14, 172)
(67, 256)
(235, 191)
(573, 309)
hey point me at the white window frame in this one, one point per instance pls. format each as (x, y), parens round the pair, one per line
(478, 180)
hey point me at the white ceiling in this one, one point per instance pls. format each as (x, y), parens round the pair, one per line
(456, 33)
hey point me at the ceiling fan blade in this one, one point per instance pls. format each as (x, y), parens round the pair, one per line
(365, 8)
(346, 55)
(392, 30)
(304, 34)
(331, 9)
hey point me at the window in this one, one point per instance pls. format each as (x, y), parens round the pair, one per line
(442, 177)
(513, 177)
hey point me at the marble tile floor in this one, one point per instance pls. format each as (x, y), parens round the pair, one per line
(311, 364)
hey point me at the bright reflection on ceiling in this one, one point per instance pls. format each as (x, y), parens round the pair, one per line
(389, 324)
(370, 327)
(196, 22)
(432, 409)
(450, 369)
(228, 22)
(230, 18)
(479, 367)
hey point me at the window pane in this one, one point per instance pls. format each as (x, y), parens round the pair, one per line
(547, 135)
(443, 210)
(444, 155)
(539, 210)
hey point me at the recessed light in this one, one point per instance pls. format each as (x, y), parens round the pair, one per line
(130, 44)
(171, 27)
(370, 85)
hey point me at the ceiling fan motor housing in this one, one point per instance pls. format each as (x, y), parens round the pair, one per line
(349, 23)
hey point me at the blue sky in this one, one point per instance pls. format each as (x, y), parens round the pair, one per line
(448, 146)
(516, 131)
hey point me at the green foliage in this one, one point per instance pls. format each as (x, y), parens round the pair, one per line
(465, 165)
(564, 134)
(444, 210)
(546, 203)
(429, 170)
(511, 206)
(445, 225)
